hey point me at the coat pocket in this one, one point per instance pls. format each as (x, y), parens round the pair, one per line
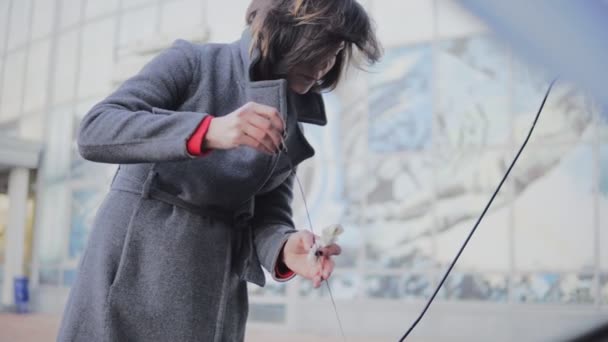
(173, 268)
(125, 245)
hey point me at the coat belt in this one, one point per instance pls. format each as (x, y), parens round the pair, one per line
(247, 262)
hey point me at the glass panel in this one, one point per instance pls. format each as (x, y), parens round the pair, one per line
(32, 126)
(58, 144)
(410, 286)
(471, 286)
(85, 203)
(383, 286)
(400, 244)
(97, 8)
(69, 276)
(226, 19)
(604, 288)
(473, 87)
(12, 87)
(602, 121)
(553, 288)
(3, 223)
(137, 25)
(454, 21)
(401, 107)
(50, 276)
(85, 173)
(97, 58)
(53, 235)
(267, 313)
(44, 14)
(84, 106)
(37, 76)
(355, 175)
(603, 205)
(398, 214)
(343, 286)
(65, 67)
(346, 129)
(271, 289)
(333, 140)
(70, 12)
(394, 29)
(536, 288)
(323, 184)
(465, 181)
(399, 187)
(554, 206)
(4, 17)
(418, 286)
(19, 21)
(182, 15)
(134, 3)
(569, 110)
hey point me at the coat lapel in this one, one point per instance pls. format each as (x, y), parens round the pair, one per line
(309, 107)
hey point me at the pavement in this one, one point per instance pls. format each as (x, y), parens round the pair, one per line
(41, 328)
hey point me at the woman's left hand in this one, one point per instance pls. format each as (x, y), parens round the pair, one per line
(295, 256)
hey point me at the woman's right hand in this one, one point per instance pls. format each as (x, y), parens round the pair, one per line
(254, 124)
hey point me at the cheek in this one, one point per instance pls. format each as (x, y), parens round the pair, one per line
(329, 66)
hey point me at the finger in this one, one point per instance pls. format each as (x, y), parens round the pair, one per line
(328, 268)
(269, 112)
(259, 136)
(266, 126)
(316, 282)
(330, 250)
(249, 141)
(307, 239)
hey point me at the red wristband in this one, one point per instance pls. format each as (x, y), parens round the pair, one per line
(282, 271)
(195, 143)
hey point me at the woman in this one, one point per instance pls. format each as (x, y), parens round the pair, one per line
(206, 137)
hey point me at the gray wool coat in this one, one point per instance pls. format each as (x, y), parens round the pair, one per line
(177, 237)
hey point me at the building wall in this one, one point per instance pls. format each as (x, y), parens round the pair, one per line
(411, 154)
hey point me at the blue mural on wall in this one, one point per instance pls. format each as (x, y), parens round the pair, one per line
(401, 101)
(472, 93)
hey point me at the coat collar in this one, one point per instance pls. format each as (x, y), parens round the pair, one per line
(310, 106)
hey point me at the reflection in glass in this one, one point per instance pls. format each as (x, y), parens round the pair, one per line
(271, 289)
(473, 88)
(343, 286)
(382, 286)
(554, 288)
(604, 288)
(408, 286)
(471, 286)
(269, 313)
(554, 205)
(569, 109)
(323, 186)
(401, 106)
(84, 207)
(603, 205)
(49, 276)
(69, 276)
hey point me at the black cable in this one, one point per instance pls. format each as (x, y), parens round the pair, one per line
(447, 273)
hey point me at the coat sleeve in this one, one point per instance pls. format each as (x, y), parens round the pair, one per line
(134, 125)
(272, 225)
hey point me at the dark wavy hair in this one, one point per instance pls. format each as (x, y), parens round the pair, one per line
(289, 33)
